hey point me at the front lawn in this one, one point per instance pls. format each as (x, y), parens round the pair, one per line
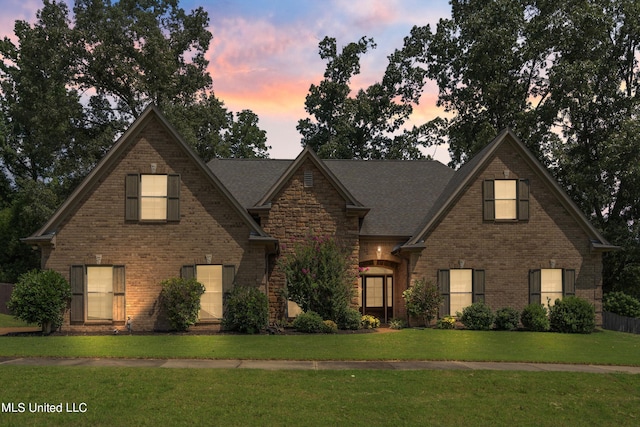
(172, 397)
(605, 347)
(8, 321)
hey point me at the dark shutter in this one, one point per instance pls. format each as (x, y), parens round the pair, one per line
(478, 285)
(228, 277)
(568, 282)
(173, 198)
(76, 280)
(523, 199)
(132, 194)
(118, 293)
(445, 291)
(188, 272)
(489, 207)
(535, 287)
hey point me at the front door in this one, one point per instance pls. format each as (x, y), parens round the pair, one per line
(377, 296)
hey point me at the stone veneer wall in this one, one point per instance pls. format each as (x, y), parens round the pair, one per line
(507, 251)
(152, 252)
(298, 211)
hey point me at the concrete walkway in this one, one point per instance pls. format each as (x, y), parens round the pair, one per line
(273, 365)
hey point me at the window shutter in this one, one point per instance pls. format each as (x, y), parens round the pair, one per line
(535, 286)
(188, 272)
(478, 285)
(132, 194)
(118, 293)
(568, 282)
(228, 277)
(173, 198)
(489, 208)
(76, 280)
(443, 284)
(523, 199)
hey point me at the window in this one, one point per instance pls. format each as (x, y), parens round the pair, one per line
(152, 197)
(460, 288)
(217, 280)
(506, 199)
(211, 301)
(547, 285)
(97, 293)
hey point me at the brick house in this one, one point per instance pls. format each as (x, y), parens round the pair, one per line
(499, 229)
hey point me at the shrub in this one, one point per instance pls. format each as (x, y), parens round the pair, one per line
(507, 319)
(309, 322)
(329, 327)
(369, 322)
(247, 310)
(349, 319)
(534, 317)
(180, 300)
(446, 322)
(477, 316)
(621, 304)
(572, 315)
(397, 323)
(40, 297)
(320, 276)
(423, 300)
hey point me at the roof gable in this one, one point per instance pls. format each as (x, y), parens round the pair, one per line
(309, 154)
(465, 175)
(48, 230)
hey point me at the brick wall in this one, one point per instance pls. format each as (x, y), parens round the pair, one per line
(152, 252)
(508, 250)
(298, 211)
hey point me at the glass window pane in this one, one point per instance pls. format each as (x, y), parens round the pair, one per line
(505, 189)
(458, 302)
(389, 291)
(99, 293)
(506, 209)
(153, 208)
(374, 291)
(153, 186)
(211, 301)
(460, 280)
(551, 285)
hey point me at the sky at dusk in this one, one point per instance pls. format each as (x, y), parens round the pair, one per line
(264, 53)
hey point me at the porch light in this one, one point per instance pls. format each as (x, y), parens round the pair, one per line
(208, 258)
(98, 259)
(379, 252)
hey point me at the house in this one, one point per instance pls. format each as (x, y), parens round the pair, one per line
(500, 229)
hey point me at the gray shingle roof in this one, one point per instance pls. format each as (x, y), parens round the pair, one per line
(399, 193)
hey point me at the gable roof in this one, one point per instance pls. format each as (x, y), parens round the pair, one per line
(397, 192)
(479, 162)
(47, 232)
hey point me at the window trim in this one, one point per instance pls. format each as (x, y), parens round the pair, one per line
(78, 279)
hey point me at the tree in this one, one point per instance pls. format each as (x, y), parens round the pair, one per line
(40, 297)
(543, 66)
(369, 124)
(423, 300)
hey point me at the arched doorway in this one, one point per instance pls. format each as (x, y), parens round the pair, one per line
(376, 292)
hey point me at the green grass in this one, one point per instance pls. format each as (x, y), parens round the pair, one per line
(8, 321)
(151, 397)
(606, 347)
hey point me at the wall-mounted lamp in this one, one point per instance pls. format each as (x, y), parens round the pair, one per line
(506, 173)
(208, 258)
(379, 252)
(552, 263)
(98, 259)
(154, 167)
(461, 263)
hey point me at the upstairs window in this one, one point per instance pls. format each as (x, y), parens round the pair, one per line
(152, 197)
(506, 200)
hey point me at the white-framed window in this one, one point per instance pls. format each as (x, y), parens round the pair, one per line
(461, 290)
(211, 301)
(550, 285)
(153, 197)
(506, 201)
(99, 293)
